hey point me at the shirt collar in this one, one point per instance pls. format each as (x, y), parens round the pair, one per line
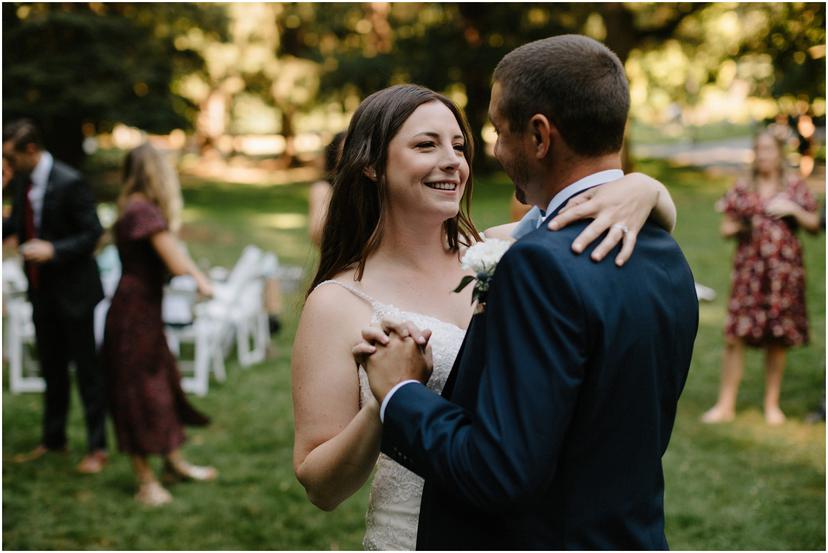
(579, 186)
(40, 174)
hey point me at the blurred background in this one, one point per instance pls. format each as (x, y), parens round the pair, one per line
(244, 97)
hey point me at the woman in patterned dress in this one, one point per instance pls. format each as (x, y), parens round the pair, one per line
(767, 302)
(148, 406)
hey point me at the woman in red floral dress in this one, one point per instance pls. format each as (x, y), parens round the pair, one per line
(767, 301)
(148, 406)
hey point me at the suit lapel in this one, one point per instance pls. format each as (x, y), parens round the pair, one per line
(451, 381)
(471, 332)
(452, 377)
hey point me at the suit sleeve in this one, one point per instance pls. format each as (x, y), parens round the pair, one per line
(84, 220)
(505, 453)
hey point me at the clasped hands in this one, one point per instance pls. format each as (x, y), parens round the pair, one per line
(393, 352)
(781, 206)
(37, 251)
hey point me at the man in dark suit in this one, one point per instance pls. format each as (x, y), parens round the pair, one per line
(562, 400)
(54, 218)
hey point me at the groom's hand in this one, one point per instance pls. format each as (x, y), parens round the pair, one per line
(401, 359)
(404, 354)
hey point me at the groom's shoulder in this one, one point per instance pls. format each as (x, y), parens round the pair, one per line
(557, 244)
(541, 248)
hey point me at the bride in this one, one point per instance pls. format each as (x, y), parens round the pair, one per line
(397, 225)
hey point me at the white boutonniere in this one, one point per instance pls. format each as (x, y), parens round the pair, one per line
(482, 258)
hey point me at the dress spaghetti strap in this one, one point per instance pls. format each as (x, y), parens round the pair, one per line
(358, 293)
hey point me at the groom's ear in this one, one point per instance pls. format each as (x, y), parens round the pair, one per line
(543, 132)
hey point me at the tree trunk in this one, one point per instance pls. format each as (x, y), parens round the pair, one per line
(476, 80)
(477, 112)
(621, 39)
(288, 132)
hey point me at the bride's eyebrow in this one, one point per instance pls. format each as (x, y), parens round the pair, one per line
(435, 135)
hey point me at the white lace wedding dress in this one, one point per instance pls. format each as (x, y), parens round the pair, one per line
(394, 504)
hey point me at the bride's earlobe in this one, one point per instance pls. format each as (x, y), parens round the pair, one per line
(371, 173)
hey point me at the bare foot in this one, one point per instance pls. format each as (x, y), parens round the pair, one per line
(152, 494)
(36, 454)
(93, 463)
(717, 415)
(774, 416)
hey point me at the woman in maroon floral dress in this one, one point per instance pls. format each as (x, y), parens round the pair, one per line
(148, 406)
(767, 302)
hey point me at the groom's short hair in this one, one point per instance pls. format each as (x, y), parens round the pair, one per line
(576, 82)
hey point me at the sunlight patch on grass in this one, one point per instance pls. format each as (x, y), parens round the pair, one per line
(282, 221)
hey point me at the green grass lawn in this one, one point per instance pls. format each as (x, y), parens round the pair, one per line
(736, 486)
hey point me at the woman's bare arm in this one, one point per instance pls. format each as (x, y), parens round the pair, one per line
(784, 207)
(336, 442)
(319, 197)
(731, 227)
(626, 202)
(177, 261)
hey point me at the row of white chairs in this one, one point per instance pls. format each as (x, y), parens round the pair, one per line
(234, 316)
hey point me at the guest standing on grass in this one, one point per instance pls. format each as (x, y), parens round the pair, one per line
(54, 219)
(767, 303)
(319, 196)
(148, 406)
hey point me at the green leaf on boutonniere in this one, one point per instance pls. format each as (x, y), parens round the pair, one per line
(463, 283)
(478, 295)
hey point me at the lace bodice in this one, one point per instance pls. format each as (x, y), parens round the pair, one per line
(394, 504)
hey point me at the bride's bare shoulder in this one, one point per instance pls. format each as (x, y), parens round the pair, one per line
(335, 301)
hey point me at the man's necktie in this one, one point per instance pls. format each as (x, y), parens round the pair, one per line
(31, 232)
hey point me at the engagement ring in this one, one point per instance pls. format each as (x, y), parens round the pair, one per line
(622, 227)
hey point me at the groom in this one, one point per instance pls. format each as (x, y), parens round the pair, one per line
(562, 400)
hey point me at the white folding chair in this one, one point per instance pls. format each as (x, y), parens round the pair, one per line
(23, 369)
(250, 316)
(184, 325)
(19, 331)
(109, 267)
(213, 326)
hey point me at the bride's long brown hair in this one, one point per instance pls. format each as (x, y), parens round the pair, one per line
(358, 208)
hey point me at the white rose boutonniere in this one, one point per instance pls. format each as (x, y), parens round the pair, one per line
(482, 258)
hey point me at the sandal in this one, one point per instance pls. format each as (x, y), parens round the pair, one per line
(153, 494)
(186, 471)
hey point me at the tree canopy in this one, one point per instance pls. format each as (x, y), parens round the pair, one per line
(70, 65)
(164, 66)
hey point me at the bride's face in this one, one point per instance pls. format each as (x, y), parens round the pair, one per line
(427, 170)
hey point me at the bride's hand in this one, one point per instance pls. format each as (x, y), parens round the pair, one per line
(373, 335)
(622, 206)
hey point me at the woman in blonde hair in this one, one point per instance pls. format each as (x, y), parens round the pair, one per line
(148, 406)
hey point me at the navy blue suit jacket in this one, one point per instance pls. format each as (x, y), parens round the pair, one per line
(560, 404)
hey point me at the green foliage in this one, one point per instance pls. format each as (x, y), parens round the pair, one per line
(70, 64)
(791, 36)
(454, 47)
(736, 486)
